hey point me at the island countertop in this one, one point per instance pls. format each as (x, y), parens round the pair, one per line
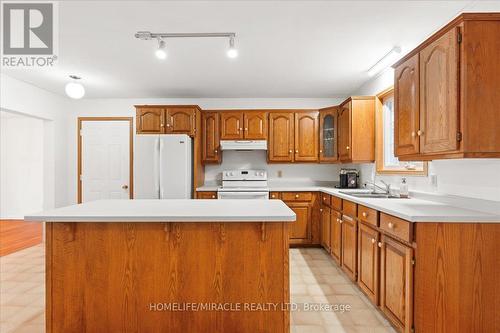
(176, 210)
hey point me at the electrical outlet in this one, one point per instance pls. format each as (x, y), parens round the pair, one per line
(280, 173)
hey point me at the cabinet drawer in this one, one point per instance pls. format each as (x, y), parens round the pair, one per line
(275, 195)
(397, 227)
(206, 195)
(296, 196)
(368, 215)
(326, 199)
(336, 203)
(349, 208)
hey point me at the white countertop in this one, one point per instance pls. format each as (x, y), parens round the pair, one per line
(413, 209)
(170, 211)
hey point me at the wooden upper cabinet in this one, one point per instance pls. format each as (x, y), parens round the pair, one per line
(281, 137)
(231, 125)
(255, 125)
(344, 119)
(180, 120)
(150, 120)
(439, 95)
(396, 283)
(306, 136)
(357, 129)
(328, 135)
(406, 102)
(210, 137)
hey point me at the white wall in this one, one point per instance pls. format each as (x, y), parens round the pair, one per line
(19, 97)
(125, 108)
(475, 178)
(257, 160)
(21, 165)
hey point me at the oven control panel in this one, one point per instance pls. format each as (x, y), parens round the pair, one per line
(244, 175)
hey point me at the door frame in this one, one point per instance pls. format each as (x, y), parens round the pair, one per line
(79, 148)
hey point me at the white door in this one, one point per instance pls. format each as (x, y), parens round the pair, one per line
(105, 160)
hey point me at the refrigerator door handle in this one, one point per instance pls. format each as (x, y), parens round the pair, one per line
(156, 164)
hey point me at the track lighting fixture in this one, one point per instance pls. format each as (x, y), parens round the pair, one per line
(386, 61)
(74, 89)
(161, 53)
(232, 52)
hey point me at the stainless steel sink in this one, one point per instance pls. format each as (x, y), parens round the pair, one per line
(374, 195)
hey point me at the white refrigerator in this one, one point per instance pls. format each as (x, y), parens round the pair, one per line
(163, 166)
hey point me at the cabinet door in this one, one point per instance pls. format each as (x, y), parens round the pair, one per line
(231, 125)
(150, 120)
(306, 136)
(439, 104)
(328, 136)
(210, 135)
(368, 261)
(336, 236)
(300, 231)
(406, 107)
(281, 137)
(206, 195)
(396, 283)
(255, 125)
(349, 246)
(325, 227)
(181, 121)
(345, 133)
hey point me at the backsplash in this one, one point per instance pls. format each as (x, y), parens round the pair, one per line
(257, 160)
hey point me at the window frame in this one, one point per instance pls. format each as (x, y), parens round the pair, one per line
(380, 166)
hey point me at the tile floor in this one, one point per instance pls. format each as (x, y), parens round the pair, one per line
(315, 280)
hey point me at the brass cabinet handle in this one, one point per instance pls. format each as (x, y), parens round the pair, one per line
(413, 134)
(420, 133)
(296, 151)
(321, 209)
(290, 151)
(340, 221)
(168, 125)
(365, 214)
(390, 225)
(347, 148)
(320, 151)
(379, 244)
(215, 151)
(373, 240)
(213, 196)
(246, 129)
(273, 196)
(162, 125)
(296, 196)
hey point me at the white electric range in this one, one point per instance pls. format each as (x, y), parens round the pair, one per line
(243, 184)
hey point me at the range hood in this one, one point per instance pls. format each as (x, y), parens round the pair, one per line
(243, 145)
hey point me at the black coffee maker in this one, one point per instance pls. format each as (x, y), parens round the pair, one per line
(349, 178)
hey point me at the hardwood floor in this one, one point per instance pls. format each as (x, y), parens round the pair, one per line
(16, 235)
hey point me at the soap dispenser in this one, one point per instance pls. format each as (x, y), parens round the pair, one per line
(403, 188)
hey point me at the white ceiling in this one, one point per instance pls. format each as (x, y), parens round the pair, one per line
(287, 48)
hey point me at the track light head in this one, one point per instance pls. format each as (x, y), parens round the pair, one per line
(232, 52)
(161, 53)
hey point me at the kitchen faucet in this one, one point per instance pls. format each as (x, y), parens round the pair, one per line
(387, 189)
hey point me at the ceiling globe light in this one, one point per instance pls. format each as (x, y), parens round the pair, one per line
(232, 52)
(161, 53)
(75, 89)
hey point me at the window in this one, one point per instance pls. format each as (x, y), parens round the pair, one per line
(386, 162)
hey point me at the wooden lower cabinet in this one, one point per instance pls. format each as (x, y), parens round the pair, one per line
(368, 261)
(325, 227)
(206, 195)
(349, 246)
(396, 283)
(300, 231)
(336, 236)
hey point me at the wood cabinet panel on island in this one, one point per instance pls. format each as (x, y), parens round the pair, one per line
(446, 92)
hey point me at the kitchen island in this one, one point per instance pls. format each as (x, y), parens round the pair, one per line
(167, 266)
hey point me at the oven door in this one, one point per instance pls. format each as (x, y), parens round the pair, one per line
(242, 195)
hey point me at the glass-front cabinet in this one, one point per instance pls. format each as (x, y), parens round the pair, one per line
(328, 135)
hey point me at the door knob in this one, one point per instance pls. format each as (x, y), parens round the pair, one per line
(124, 187)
